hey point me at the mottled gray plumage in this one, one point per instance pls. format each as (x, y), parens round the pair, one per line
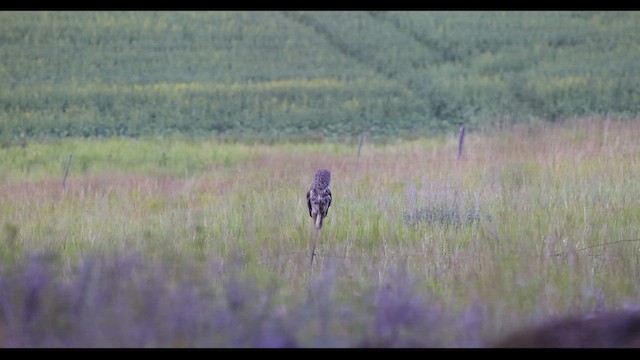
(319, 196)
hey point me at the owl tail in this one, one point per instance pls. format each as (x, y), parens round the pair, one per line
(319, 221)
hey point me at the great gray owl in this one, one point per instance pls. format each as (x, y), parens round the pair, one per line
(319, 196)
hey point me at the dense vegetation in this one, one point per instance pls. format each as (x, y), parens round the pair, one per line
(269, 75)
(192, 137)
(176, 242)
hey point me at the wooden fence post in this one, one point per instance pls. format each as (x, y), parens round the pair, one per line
(460, 141)
(66, 170)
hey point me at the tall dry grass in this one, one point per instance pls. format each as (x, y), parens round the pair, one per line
(535, 221)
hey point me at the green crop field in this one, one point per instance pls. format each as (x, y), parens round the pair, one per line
(154, 166)
(272, 75)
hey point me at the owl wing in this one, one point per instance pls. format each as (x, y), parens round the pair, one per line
(309, 201)
(330, 198)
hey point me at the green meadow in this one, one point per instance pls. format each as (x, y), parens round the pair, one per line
(154, 166)
(532, 222)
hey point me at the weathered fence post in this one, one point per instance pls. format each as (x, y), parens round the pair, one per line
(360, 143)
(460, 141)
(606, 131)
(66, 170)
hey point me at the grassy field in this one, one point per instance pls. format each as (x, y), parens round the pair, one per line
(192, 138)
(197, 243)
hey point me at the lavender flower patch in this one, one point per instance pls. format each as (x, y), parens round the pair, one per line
(125, 301)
